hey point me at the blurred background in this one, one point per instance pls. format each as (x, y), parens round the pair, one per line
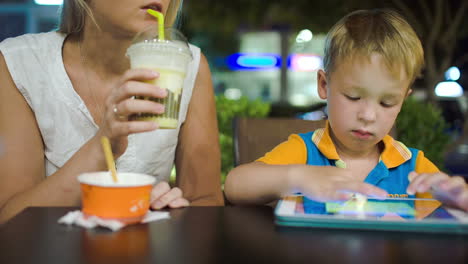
(264, 55)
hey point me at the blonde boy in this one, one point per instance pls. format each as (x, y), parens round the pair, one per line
(372, 57)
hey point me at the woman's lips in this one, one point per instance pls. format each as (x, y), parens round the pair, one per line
(155, 7)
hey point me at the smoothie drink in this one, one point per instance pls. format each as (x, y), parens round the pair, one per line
(170, 58)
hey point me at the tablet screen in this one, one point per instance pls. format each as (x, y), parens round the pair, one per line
(391, 209)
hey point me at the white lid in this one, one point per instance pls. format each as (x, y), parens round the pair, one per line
(148, 39)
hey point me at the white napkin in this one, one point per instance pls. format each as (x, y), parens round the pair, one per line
(77, 218)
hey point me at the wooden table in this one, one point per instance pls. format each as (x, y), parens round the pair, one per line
(215, 235)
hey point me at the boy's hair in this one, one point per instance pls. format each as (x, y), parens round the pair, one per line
(382, 31)
(74, 13)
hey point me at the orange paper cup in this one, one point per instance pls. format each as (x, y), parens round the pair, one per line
(128, 200)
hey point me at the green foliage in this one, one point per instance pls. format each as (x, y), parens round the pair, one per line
(421, 125)
(228, 109)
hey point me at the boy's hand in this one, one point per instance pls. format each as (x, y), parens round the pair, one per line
(452, 191)
(329, 183)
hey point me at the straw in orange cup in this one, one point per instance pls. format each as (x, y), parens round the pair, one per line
(106, 147)
(128, 200)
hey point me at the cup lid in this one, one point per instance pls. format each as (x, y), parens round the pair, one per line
(174, 40)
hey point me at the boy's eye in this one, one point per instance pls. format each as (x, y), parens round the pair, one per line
(387, 104)
(353, 98)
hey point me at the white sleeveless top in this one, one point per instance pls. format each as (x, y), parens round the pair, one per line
(36, 65)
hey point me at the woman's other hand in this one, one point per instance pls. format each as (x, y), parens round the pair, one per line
(163, 196)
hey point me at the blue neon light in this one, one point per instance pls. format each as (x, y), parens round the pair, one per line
(259, 61)
(249, 61)
(48, 2)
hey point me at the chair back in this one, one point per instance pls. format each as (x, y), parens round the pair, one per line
(253, 137)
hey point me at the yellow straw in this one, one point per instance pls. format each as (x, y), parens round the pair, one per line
(160, 17)
(109, 157)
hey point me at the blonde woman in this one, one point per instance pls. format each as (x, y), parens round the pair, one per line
(61, 91)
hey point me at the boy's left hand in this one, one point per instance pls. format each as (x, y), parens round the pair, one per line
(450, 190)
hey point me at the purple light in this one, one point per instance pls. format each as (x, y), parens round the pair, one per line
(306, 62)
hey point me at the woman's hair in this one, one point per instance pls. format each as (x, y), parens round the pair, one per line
(382, 31)
(75, 12)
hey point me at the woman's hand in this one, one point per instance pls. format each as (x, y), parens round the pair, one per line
(329, 183)
(162, 195)
(452, 191)
(121, 104)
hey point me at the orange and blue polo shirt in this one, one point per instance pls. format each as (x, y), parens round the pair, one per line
(391, 173)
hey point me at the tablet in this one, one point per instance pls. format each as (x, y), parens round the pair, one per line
(392, 214)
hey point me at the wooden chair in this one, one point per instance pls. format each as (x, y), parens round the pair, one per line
(254, 137)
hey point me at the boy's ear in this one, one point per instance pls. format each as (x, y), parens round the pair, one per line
(322, 84)
(409, 92)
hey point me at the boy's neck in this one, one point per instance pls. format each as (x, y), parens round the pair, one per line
(360, 163)
(350, 155)
(347, 154)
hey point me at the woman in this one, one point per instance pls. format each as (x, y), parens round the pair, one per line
(60, 92)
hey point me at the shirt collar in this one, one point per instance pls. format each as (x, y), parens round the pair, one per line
(394, 154)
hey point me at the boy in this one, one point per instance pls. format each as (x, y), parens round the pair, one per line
(371, 59)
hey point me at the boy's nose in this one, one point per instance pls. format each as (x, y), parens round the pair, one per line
(367, 113)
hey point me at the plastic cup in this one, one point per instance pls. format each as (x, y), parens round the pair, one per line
(127, 200)
(170, 58)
